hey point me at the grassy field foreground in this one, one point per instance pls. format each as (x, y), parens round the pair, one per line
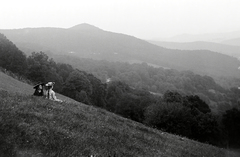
(36, 127)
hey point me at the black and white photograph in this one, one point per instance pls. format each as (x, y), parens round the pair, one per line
(120, 78)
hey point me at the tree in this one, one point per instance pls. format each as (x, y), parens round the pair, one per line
(99, 91)
(193, 101)
(206, 129)
(172, 96)
(75, 83)
(170, 117)
(43, 69)
(115, 90)
(82, 97)
(38, 66)
(64, 70)
(132, 106)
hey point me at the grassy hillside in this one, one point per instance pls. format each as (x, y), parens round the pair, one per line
(33, 126)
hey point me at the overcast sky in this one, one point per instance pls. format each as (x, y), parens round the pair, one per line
(145, 19)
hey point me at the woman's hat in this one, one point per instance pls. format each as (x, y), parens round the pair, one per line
(50, 84)
(36, 86)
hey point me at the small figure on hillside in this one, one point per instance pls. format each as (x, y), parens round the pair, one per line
(38, 89)
(50, 94)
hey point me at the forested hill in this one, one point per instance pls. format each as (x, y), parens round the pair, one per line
(88, 41)
(160, 80)
(83, 40)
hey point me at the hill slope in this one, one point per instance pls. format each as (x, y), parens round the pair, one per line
(33, 126)
(87, 41)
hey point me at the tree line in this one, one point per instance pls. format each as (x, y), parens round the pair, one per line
(159, 80)
(175, 110)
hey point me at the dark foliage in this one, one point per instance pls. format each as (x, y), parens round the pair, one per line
(231, 121)
(43, 69)
(75, 83)
(194, 102)
(11, 58)
(170, 117)
(85, 88)
(171, 97)
(185, 120)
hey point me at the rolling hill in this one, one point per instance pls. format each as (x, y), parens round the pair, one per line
(86, 41)
(229, 50)
(207, 37)
(33, 126)
(234, 42)
(83, 40)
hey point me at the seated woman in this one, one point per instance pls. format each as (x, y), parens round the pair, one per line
(38, 89)
(50, 93)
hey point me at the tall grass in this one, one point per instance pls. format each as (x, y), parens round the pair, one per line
(33, 126)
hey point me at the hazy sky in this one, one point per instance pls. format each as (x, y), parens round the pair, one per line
(144, 19)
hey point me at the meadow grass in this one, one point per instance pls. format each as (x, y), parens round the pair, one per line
(37, 127)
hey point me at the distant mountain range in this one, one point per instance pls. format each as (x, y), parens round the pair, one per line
(227, 38)
(87, 41)
(229, 50)
(235, 41)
